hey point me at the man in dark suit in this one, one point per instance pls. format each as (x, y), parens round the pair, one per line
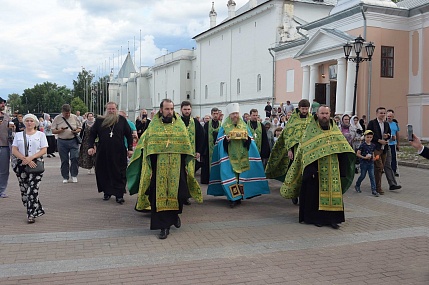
(381, 130)
(421, 149)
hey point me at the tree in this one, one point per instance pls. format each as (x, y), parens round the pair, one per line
(46, 97)
(78, 105)
(82, 86)
(14, 101)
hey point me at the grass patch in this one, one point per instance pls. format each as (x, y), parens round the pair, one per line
(408, 153)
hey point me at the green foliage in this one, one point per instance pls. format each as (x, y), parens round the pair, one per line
(82, 86)
(46, 97)
(78, 105)
(14, 101)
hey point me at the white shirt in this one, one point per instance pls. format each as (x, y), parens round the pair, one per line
(35, 142)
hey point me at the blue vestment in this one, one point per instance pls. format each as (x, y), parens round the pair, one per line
(223, 179)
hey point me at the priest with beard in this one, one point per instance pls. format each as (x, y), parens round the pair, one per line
(259, 134)
(211, 130)
(196, 136)
(159, 170)
(111, 157)
(323, 169)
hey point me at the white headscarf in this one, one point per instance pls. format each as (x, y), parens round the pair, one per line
(231, 108)
(355, 126)
(33, 117)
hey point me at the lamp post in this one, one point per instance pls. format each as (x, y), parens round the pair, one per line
(357, 46)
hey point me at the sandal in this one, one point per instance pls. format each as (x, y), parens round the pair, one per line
(30, 220)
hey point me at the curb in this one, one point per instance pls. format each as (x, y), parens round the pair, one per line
(413, 164)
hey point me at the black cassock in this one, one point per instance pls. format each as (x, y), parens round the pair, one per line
(265, 146)
(205, 159)
(111, 156)
(165, 219)
(309, 197)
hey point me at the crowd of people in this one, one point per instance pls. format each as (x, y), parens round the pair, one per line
(314, 156)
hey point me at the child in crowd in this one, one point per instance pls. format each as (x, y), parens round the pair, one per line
(366, 154)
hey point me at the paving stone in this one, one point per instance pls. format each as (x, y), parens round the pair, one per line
(84, 240)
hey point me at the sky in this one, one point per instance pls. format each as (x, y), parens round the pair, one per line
(52, 40)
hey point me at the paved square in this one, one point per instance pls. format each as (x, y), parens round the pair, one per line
(84, 240)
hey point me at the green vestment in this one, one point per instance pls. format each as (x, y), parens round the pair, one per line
(238, 154)
(321, 146)
(279, 161)
(168, 142)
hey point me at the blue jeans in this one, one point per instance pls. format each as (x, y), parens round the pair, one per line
(69, 151)
(4, 167)
(364, 168)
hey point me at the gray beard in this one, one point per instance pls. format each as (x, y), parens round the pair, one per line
(109, 120)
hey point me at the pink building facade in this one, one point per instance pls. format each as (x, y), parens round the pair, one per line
(397, 77)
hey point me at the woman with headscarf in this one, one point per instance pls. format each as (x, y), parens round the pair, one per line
(347, 131)
(85, 160)
(36, 145)
(49, 135)
(357, 140)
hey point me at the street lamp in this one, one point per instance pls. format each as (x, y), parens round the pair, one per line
(357, 45)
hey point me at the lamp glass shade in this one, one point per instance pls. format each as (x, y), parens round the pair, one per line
(358, 44)
(370, 49)
(347, 49)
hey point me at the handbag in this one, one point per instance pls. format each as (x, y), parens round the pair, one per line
(40, 165)
(77, 137)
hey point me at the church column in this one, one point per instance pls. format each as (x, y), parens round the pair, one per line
(314, 75)
(340, 97)
(351, 75)
(305, 82)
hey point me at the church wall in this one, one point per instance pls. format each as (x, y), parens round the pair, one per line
(282, 68)
(239, 52)
(390, 92)
(425, 60)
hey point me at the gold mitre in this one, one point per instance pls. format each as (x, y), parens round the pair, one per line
(238, 134)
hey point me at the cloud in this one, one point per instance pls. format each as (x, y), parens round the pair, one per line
(53, 39)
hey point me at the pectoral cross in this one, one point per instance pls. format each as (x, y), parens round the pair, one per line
(168, 142)
(111, 134)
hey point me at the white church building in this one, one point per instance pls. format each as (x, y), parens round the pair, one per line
(278, 50)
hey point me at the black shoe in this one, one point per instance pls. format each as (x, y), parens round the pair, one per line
(48, 156)
(53, 155)
(178, 223)
(187, 202)
(120, 200)
(356, 171)
(164, 233)
(396, 174)
(106, 197)
(295, 201)
(395, 187)
(318, 225)
(335, 226)
(232, 204)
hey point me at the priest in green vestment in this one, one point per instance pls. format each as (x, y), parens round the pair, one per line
(322, 170)
(159, 172)
(196, 136)
(284, 149)
(259, 134)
